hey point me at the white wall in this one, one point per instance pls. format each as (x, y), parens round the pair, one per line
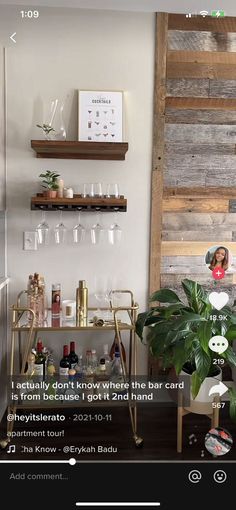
(54, 57)
(2, 132)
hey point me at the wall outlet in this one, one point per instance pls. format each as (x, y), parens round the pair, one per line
(30, 241)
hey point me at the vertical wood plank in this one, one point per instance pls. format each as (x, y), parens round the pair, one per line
(158, 150)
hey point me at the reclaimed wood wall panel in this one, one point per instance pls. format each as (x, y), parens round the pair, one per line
(197, 235)
(193, 116)
(194, 133)
(195, 205)
(202, 57)
(211, 192)
(201, 103)
(204, 148)
(201, 41)
(189, 248)
(182, 87)
(197, 170)
(174, 280)
(197, 221)
(199, 71)
(158, 150)
(222, 88)
(190, 265)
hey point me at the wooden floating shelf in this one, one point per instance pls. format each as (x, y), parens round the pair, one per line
(79, 150)
(78, 203)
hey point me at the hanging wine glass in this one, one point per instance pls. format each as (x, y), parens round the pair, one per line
(42, 230)
(60, 231)
(115, 232)
(97, 231)
(79, 232)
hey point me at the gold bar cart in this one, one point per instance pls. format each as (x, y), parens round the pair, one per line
(25, 329)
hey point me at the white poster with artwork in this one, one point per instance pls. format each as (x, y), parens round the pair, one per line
(100, 116)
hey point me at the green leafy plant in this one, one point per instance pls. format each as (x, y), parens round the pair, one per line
(179, 333)
(49, 180)
(46, 128)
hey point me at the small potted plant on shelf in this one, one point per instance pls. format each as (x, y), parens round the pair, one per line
(179, 334)
(50, 183)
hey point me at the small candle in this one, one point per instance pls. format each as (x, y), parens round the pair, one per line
(60, 183)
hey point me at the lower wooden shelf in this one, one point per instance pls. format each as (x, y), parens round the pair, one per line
(79, 203)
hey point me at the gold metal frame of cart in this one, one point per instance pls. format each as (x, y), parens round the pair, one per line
(32, 329)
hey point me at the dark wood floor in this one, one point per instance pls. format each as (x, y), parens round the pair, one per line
(156, 425)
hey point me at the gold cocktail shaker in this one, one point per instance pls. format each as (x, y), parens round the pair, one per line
(81, 304)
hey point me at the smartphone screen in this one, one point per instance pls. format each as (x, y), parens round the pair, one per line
(117, 385)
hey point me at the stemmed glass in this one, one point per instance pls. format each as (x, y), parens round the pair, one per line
(78, 232)
(99, 293)
(42, 230)
(97, 230)
(115, 232)
(60, 231)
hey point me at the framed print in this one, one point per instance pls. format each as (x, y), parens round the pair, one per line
(100, 116)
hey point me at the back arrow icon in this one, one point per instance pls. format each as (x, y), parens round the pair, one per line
(12, 37)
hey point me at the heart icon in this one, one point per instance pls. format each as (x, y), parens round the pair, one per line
(218, 299)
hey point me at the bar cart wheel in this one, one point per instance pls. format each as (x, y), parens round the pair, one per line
(138, 441)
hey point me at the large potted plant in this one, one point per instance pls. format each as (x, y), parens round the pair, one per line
(179, 333)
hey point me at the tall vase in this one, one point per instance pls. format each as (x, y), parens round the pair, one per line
(55, 120)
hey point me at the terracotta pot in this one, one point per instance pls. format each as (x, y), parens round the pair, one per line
(51, 193)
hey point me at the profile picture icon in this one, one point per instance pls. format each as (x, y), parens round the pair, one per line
(218, 257)
(218, 441)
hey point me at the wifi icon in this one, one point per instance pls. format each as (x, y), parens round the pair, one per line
(204, 13)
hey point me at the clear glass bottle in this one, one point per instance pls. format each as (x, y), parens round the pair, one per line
(94, 360)
(79, 367)
(88, 365)
(116, 369)
(107, 357)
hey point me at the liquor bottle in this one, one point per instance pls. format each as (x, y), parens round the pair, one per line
(51, 380)
(30, 364)
(116, 369)
(56, 300)
(40, 360)
(65, 362)
(102, 379)
(70, 391)
(115, 347)
(36, 299)
(73, 356)
(79, 366)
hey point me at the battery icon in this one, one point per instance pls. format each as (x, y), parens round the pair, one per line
(218, 14)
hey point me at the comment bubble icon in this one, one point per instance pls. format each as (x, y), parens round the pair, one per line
(218, 344)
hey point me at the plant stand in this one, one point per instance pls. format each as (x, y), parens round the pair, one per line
(181, 412)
